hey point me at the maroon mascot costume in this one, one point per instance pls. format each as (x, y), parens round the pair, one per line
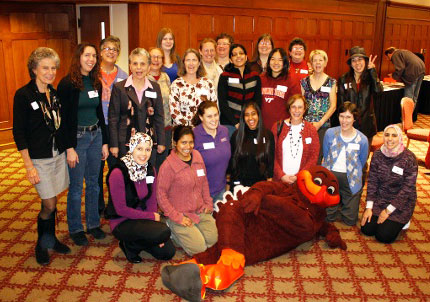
(270, 219)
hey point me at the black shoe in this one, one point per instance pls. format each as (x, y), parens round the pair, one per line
(61, 248)
(79, 238)
(97, 233)
(42, 256)
(131, 257)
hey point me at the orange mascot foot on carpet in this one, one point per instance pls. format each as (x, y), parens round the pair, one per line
(270, 219)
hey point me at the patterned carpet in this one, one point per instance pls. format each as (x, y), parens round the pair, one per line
(367, 271)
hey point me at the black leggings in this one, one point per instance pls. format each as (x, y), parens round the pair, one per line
(385, 232)
(146, 235)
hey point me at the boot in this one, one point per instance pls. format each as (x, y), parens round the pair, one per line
(42, 256)
(131, 255)
(59, 247)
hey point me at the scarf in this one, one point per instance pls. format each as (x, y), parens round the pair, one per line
(400, 147)
(50, 109)
(137, 172)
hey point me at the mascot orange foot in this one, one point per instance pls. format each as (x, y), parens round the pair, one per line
(270, 219)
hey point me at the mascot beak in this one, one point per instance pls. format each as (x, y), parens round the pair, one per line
(317, 194)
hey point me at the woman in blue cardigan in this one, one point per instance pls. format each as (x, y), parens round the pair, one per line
(345, 152)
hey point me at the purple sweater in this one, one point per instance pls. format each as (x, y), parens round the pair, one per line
(216, 154)
(386, 187)
(117, 190)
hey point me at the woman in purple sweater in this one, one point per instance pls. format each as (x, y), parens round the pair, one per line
(132, 205)
(391, 188)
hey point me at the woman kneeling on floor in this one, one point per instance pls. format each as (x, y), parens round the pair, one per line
(183, 195)
(391, 188)
(132, 206)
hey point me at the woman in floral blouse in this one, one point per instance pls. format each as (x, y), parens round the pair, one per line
(320, 92)
(189, 89)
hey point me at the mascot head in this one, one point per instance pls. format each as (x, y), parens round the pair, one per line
(319, 185)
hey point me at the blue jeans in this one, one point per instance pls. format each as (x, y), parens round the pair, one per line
(218, 196)
(412, 91)
(89, 149)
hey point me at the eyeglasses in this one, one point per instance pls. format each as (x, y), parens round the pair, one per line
(265, 42)
(110, 49)
(156, 57)
(298, 48)
(223, 44)
(208, 51)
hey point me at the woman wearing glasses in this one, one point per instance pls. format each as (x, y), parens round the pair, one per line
(262, 49)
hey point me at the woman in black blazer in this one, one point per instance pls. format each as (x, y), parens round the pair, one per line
(86, 140)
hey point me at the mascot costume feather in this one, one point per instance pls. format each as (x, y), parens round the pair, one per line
(270, 219)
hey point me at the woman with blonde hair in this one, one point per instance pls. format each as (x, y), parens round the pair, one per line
(172, 61)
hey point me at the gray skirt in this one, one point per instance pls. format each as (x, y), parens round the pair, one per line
(53, 174)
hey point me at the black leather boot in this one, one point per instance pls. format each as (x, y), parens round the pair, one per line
(58, 246)
(42, 256)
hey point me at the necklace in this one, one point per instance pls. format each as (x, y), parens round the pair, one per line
(295, 144)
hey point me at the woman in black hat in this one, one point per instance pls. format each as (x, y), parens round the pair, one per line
(359, 85)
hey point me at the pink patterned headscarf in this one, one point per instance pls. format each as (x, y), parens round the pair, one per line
(400, 147)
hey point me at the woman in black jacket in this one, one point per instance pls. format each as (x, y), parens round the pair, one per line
(38, 131)
(359, 86)
(86, 139)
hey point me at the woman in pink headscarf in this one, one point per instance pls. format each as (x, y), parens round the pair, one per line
(391, 188)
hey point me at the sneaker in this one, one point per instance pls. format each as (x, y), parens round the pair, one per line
(79, 238)
(97, 233)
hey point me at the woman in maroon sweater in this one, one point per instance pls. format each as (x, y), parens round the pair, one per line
(132, 205)
(276, 88)
(296, 142)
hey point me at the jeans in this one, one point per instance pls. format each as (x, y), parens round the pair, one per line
(412, 91)
(218, 196)
(89, 149)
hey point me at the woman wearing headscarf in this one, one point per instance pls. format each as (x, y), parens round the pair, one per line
(132, 206)
(391, 188)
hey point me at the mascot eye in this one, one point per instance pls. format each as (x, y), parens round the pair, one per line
(331, 190)
(318, 180)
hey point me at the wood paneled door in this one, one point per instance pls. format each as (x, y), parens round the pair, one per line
(92, 20)
(24, 27)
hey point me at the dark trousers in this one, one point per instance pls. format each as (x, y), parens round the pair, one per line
(146, 235)
(110, 162)
(385, 232)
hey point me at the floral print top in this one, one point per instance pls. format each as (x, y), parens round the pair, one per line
(318, 100)
(185, 98)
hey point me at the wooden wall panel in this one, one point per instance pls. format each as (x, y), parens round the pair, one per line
(406, 27)
(24, 27)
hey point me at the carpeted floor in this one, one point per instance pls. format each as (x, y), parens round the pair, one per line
(367, 271)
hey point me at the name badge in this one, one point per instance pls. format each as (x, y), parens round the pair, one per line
(397, 170)
(236, 183)
(255, 141)
(233, 80)
(119, 79)
(151, 94)
(282, 88)
(35, 105)
(93, 94)
(210, 145)
(200, 172)
(304, 71)
(308, 140)
(325, 89)
(224, 139)
(149, 179)
(352, 146)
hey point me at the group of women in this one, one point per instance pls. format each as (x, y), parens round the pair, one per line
(177, 133)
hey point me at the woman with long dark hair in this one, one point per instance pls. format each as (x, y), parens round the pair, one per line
(359, 86)
(276, 88)
(252, 149)
(86, 139)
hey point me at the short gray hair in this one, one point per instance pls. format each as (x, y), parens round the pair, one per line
(38, 55)
(139, 52)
